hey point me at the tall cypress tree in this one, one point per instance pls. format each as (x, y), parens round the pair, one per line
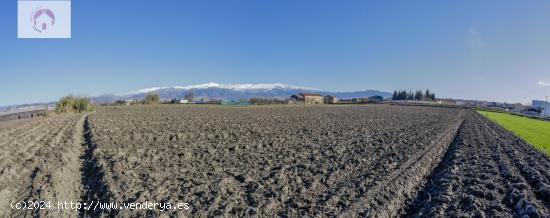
(428, 96)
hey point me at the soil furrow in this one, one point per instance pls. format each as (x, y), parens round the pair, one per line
(265, 161)
(20, 182)
(95, 189)
(39, 167)
(51, 155)
(479, 177)
(390, 197)
(295, 161)
(532, 180)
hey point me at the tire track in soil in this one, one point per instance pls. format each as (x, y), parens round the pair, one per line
(481, 175)
(95, 188)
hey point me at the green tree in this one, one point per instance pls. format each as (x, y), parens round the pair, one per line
(427, 95)
(418, 95)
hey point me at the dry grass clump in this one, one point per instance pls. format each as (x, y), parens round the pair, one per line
(151, 99)
(73, 104)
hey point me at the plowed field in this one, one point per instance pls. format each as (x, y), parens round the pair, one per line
(289, 161)
(40, 160)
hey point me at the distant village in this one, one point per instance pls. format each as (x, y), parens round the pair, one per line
(298, 98)
(537, 109)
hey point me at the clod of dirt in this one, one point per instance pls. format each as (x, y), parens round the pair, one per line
(266, 161)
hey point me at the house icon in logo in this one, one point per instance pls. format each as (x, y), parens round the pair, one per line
(42, 19)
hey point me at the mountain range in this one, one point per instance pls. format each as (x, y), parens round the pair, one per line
(216, 91)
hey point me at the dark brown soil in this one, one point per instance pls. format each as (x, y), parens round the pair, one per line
(39, 160)
(23, 115)
(264, 161)
(288, 161)
(487, 172)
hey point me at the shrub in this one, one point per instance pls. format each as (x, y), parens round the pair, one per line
(119, 102)
(151, 99)
(73, 104)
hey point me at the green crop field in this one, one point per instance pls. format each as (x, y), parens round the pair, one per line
(536, 132)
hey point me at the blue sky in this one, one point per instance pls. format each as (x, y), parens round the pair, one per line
(488, 50)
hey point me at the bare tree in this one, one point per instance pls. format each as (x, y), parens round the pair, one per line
(189, 96)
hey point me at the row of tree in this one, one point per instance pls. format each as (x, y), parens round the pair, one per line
(152, 99)
(149, 99)
(414, 96)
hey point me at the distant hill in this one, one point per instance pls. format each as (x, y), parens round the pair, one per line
(25, 107)
(216, 91)
(212, 91)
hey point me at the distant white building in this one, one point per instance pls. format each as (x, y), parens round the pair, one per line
(545, 106)
(184, 101)
(130, 101)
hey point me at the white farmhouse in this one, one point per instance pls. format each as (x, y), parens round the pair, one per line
(544, 105)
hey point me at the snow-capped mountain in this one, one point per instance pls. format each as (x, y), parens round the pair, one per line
(217, 91)
(214, 91)
(236, 87)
